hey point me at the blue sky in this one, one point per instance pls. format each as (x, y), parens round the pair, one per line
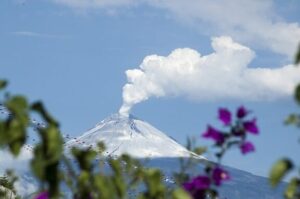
(73, 57)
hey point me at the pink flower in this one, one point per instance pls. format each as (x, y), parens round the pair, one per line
(225, 116)
(251, 127)
(197, 186)
(42, 195)
(247, 147)
(241, 112)
(219, 175)
(199, 182)
(214, 134)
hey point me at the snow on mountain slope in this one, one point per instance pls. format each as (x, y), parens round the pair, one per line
(122, 134)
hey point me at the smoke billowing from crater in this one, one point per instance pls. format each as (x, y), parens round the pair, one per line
(223, 74)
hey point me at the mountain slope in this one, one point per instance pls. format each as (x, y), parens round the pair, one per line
(122, 134)
(140, 139)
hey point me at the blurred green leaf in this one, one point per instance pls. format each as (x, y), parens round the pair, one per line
(200, 150)
(47, 157)
(53, 143)
(101, 147)
(154, 184)
(180, 194)
(116, 166)
(297, 58)
(292, 188)
(15, 133)
(293, 119)
(37, 163)
(83, 177)
(188, 143)
(39, 107)
(84, 158)
(297, 93)
(17, 103)
(2, 134)
(3, 84)
(279, 170)
(104, 186)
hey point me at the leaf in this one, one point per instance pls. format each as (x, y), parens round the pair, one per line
(101, 147)
(83, 177)
(200, 150)
(84, 158)
(292, 119)
(15, 135)
(104, 187)
(3, 137)
(279, 170)
(3, 84)
(297, 93)
(17, 102)
(153, 181)
(292, 188)
(188, 143)
(18, 107)
(297, 58)
(213, 194)
(38, 163)
(115, 166)
(39, 107)
(181, 194)
(53, 142)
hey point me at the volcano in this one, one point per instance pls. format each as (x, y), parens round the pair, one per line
(130, 135)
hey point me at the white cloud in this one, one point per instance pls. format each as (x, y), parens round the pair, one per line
(223, 74)
(253, 22)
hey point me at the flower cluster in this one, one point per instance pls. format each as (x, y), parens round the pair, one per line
(236, 135)
(200, 186)
(238, 130)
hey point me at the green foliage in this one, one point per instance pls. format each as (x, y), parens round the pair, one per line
(283, 166)
(48, 153)
(3, 84)
(293, 119)
(39, 108)
(155, 189)
(279, 170)
(125, 176)
(13, 129)
(7, 189)
(200, 150)
(292, 190)
(297, 94)
(297, 58)
(181, 194)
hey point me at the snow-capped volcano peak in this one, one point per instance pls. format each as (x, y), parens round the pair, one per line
(128, 134)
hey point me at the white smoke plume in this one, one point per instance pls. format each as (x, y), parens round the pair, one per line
(223, 74)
